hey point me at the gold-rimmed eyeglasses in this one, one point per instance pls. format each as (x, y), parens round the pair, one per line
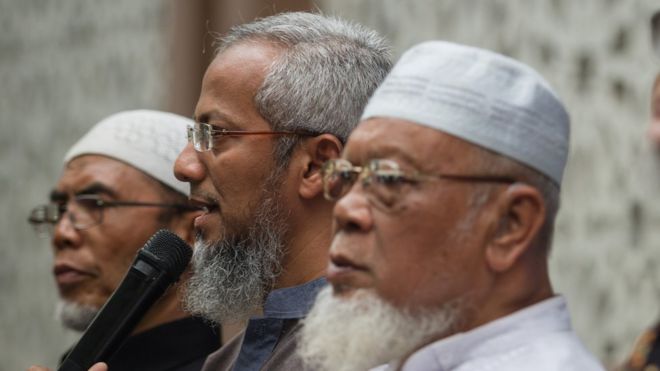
(384, 180)
(202, 135)
(85, 211)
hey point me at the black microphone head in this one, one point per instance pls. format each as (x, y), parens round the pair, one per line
(171, 250)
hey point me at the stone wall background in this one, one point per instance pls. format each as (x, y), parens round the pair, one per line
(64, 65)
(597, 55)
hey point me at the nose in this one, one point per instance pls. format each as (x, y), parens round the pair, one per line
(65, 235)
(188, 167)
(352, 212)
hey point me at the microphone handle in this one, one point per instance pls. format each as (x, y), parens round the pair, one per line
(122, 311)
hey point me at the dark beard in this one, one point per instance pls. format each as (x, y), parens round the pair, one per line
(232, 277)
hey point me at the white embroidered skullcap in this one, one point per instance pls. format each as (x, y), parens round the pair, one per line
(481, 97)
(147, 140)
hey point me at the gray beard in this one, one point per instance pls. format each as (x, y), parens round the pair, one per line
(232, 277)
(364, 331)
(74, 316)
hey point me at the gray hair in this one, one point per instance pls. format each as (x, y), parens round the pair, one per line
(489, 162)
(324, 77)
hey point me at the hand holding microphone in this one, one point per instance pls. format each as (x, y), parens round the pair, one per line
(157, 265)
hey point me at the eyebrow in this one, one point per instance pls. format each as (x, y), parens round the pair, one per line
(92, 189)
(57, 196)
(215, 115)
(97, 188)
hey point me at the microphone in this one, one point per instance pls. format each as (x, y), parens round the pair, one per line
(157, 265)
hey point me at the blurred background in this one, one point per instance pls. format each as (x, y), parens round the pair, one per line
(64, 65)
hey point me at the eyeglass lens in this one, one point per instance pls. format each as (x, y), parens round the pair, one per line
(82, 211)
(381, 179)
(200, 136)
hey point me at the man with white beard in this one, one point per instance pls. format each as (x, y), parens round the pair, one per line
(446, 195)
(278, 100)
(115, 191)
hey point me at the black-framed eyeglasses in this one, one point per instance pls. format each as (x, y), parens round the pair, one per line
(86, 211)
(384, 180)
(202, 135)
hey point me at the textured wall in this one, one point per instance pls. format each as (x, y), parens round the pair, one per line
(596, 54)
(63, 66)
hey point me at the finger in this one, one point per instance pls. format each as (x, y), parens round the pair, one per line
(99, 367)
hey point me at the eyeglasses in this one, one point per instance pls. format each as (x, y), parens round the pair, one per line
(202, 136)
(383, 180)
(86, 211)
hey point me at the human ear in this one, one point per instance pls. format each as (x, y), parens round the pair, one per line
(521, 215)
(317, 151)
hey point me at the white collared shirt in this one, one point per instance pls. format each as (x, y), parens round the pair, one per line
(536, 338)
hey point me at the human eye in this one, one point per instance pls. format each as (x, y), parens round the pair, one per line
(389, 173)
(216, 130)
(346, 174)
(219, 127)
(390, 177)
(90, 202)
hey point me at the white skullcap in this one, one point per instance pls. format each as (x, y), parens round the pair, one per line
(147, 140)
(481, 97)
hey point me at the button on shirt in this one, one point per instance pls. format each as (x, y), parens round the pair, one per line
(269, 342)
(538, 338)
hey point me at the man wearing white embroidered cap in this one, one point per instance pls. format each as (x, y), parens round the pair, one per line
(116, 190)
(446, 196)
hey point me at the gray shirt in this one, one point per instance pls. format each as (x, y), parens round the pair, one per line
(269, 342)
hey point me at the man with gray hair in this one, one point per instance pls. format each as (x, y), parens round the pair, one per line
(446, 198)
(278, 100)
(116, 190)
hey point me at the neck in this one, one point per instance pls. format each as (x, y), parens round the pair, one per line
(306, 249)
(166, 309)
(512, 291)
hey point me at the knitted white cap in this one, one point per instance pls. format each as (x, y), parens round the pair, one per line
(147, 140)
(481, 97)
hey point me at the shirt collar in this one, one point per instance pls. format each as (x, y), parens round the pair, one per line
(494, 337)
(293, 302)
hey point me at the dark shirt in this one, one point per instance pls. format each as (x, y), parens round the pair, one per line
(181, 345)
(269, 342)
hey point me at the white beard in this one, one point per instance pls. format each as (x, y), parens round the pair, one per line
(75, 316)
(364, 331)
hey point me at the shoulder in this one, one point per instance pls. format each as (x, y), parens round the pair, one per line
(555, 352)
